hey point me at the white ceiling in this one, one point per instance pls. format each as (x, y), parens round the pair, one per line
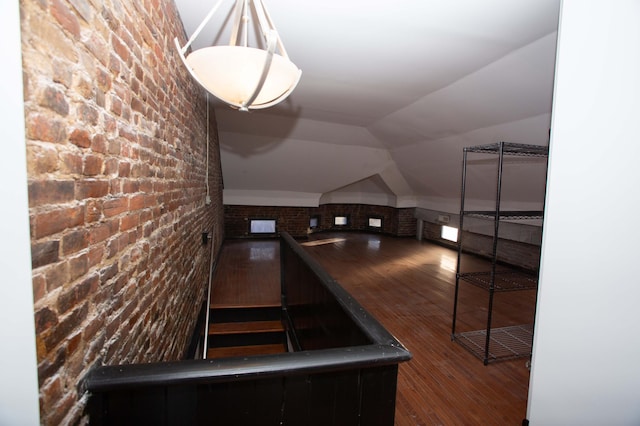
(390, 93)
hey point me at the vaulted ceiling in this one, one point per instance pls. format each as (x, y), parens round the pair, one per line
(390, 94)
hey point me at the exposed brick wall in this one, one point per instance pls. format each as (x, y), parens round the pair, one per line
(295, 220)
(523, 255)
(406, 222)
(116, 155)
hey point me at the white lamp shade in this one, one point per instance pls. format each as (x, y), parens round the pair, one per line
(232, 73)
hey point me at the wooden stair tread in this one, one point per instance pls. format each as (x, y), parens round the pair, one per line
(215, 305)
(234, 351)
(246, 327)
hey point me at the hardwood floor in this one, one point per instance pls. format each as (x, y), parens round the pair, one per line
(248, 274)
(409, 287)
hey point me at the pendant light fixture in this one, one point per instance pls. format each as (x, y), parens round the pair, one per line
(242, 76)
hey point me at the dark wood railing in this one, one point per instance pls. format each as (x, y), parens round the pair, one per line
(342, 369)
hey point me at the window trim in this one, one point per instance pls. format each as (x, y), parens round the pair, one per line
(317, 218)
(275, 226)
(347, 220)
(375, 228)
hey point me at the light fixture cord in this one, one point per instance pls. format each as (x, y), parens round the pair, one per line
(207, 161)
(245, 23)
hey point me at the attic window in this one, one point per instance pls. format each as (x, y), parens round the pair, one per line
(340, 220)
(449, 233)
(375, 222)
(262, 226)
(314, 222)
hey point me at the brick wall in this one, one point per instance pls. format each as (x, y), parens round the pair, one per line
(295, 220)
(116, 155)
(523, 255)
(515, 253)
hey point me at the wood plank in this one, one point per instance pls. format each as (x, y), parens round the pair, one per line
(247, 275)
(249, 350)
(239, 304)
(245, 327)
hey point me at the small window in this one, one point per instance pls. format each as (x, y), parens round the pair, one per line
(340, 220)
(375, 222)
(262, 226)
(314, 222)
(449, 233)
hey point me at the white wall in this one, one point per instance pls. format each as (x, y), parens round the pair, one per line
(19, 388)
(586, 355)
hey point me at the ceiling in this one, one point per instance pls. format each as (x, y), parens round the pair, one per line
(390, 94)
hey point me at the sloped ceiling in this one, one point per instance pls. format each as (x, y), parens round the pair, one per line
(390, 94)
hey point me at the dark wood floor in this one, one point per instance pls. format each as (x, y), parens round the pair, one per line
(409, 287)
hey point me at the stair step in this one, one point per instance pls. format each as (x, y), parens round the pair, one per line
(235, 351)
(225, 313)
(216, 305)
(247, 327)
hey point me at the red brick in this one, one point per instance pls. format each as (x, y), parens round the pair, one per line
(99, 144)
(73, 343)
(137, 202)
(84, 87)
(130, 186)
(52, 222)
(39, 287)
(45, 318)
(78, 266)
(56, 275)
(66, 325)
(103, 79)
(80, 138)
(91, 189)
(115, 105)
(50, 366)
(95, 327)
(114, 64)
(111, 167)
(92, 165)
(120, 48)
(44, 192)
(56, 414)
(93, 211)
(87, 113)
(65, 17)
(114, 147)
(129, 221)
(41, 159)
(44, 253)
(75, 295)
(55, 100)
(98, 48)
(45, 128)
(103, 231)
(74, 241)
(71, 163)
(110, 125)
(51, 392)
(62, 72)
(115, 206)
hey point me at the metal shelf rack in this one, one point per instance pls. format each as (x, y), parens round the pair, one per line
(503, 343)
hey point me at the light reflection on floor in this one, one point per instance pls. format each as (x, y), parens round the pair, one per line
(373, 245)
(322, 242)
(262, 253)
(448, 262)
